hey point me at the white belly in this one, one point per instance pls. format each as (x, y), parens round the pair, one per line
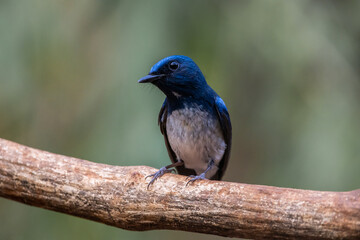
(196, 138)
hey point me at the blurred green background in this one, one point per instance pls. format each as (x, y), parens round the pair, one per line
(287, 70)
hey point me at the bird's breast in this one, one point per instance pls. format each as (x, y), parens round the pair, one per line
(196, 138)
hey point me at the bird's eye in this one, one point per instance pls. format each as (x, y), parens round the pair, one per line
(174, 65)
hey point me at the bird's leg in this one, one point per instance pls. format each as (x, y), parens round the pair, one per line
(202, 175)
(164, 170)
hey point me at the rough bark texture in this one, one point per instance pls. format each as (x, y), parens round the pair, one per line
(118, 196)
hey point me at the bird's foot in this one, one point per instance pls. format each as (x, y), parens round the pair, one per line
(158, 174)
(194, 178)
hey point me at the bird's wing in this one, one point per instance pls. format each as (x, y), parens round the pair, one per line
(162, 123)
(225, 124)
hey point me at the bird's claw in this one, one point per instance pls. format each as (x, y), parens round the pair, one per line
(158, 174)
(194, 178)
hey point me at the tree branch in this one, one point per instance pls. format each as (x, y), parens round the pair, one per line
(118, 196)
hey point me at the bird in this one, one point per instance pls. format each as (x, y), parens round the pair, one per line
(193, 119)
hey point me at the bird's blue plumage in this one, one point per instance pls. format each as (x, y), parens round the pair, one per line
(193, 119)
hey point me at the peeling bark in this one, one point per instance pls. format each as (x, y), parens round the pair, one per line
(118, 196)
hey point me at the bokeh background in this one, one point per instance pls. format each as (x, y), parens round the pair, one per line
(287, 70)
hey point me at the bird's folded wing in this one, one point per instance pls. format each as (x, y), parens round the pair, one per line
(225, 124)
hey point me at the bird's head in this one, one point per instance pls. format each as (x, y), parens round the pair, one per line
(176, 76)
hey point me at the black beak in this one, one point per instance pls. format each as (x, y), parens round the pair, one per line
(151, 78)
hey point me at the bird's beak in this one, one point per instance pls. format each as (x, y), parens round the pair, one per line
(150, 78)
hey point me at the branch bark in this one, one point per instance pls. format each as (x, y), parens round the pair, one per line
(118, 196)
